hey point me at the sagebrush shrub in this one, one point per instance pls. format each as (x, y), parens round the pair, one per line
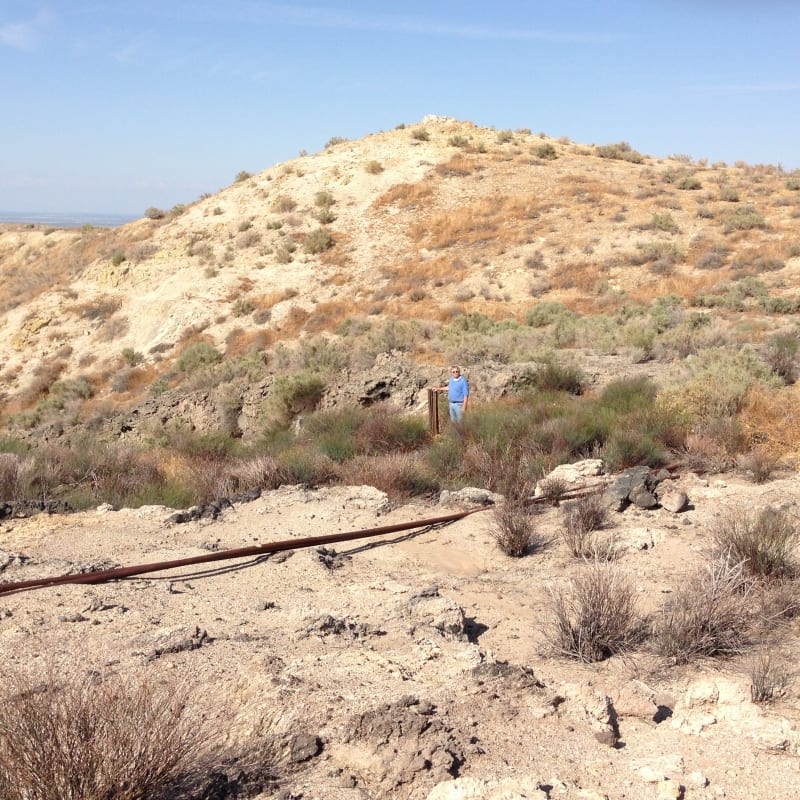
(621, 151)
(781, 355)
(743, 218)
(197, 355)
(317, 241)
(546, 151)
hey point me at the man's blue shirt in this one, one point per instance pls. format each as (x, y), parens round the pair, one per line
(457, 389)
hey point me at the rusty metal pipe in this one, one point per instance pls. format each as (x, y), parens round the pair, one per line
(241, 552)
(102, 576)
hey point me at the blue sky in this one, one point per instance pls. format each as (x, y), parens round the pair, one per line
(117, 106)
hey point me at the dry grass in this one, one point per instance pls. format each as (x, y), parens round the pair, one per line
(770, 676)
(458, 166)
(400, 475)
(496, 220)
(406, 195)
(769, 416)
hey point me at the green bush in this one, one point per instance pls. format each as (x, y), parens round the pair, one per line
(373, 167)
(667, 252)
(317, 241)
(197, 355)
(547, 312)
(420, 135)
(546, 151)
(242, 176)
(554, 377)
(458, 141)
(663, 222)
(296, 394)
(621, 151)
(306, 466)
(743, 218)
(625, 395)
(623, 449)
(118, 257)
(155, 213)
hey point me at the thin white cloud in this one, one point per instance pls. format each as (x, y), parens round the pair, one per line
(316, 16)
(749, 88)
(24, 34)
(340, 19)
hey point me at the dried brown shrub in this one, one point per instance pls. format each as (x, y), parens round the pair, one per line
(400, 475)
(596, 616)
(763, 540)
(458, 166)
(708, 614)
(769, 677)
(73, 737)
(582, 517)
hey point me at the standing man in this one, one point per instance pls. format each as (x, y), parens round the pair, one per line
(457, 393)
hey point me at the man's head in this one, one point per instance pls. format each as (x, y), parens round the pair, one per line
(455, 371)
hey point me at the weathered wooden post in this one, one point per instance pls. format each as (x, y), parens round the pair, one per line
(433, 412)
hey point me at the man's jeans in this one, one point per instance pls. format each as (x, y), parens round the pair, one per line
(456, 411)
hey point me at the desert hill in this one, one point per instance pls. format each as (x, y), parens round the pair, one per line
(434, 223)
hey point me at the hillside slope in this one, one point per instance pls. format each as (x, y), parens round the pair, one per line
(431, 222)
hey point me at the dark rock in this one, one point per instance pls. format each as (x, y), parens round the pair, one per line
(329, 558)
(409, 742)
(304, 747)
(642, 498)
(636, 485)
(328, 625)
(431, 591)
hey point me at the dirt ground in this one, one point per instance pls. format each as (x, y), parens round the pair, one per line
(412, 658)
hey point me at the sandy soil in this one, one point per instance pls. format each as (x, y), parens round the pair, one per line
(338, 642)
